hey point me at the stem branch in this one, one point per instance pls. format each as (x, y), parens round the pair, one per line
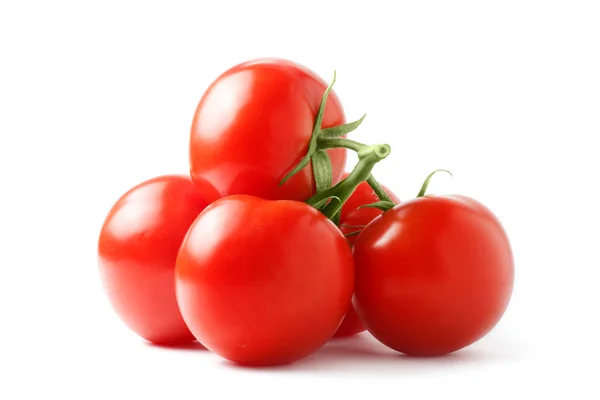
(368, 157)
(381, 194)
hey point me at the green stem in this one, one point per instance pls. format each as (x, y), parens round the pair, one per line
(368, 157)
(381, 194)
(324, 143)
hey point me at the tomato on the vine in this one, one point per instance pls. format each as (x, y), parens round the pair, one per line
(263, 282)
(137, 250)
(253, 125)
(352, 220)
(433, 274)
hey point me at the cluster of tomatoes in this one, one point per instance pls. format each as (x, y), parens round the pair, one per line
(269, 250)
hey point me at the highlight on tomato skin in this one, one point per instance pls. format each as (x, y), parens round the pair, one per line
(352, 219)
(433, 275)
(137, 250)
(253, 125)
(263, 282)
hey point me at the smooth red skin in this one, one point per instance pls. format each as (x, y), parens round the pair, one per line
(433, 275)
(262, 282)
(253, 125)
(352, 215)
(137, 250)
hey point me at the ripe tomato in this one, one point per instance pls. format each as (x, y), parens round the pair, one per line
(253, 125)
(137, 250)
(263, 282)
(351, 219)
(433, 275)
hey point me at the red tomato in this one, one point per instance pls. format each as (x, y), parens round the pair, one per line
(137, 250)
(352, 217)
(253, 125)
(433, 275)
(263, 282)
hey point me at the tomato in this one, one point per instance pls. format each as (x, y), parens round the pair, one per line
(263, 282)
(253, 125)
(137, 250)
(351, 219)
(433, 275)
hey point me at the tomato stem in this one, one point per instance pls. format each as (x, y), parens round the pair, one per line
(324, 143)
(323, 139)
(368, 156)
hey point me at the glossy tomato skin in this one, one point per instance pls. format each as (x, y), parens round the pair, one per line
(137, 250)
(263, 282)
(352, 216)
(253, 125)
(433, 275)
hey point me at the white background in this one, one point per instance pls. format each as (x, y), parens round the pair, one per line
(95, 98)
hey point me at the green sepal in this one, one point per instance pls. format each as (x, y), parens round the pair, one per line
(352, 233)
(341, 130)
(336, 218)
(322, 171)
(303, 163)
(426, 183)
(353, 226)
(320, 204)
(382, 205)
